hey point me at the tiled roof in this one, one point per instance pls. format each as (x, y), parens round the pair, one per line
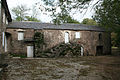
(38, 25)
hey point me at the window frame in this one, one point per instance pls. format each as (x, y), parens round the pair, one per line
(66, 37)
(20, 33)
(77, 35)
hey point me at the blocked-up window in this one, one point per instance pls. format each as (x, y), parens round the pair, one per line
(77, 35)
(20, 35)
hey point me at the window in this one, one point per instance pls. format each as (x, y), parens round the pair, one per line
(66, 37)
(77, 35)
(100, 36)
(20, 35)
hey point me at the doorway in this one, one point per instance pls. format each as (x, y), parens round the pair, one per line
(66, 37)
(6, 44)
(99, 50)
(82, 51)
(30, 51)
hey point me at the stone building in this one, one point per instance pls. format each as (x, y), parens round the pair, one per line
(5, 18)
(94, 40)
(18, 37)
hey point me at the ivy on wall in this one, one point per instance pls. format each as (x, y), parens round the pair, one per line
(39, 39)
(39, 42)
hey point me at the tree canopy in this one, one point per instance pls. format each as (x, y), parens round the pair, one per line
(65, 19)
(21, 13)
(88, 21)
(108, 15)
(62, 9)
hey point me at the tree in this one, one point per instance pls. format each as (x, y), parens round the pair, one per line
(108, 15)
(30, 18)
(88, 21)
(65, 19)
(20, 12)
(61, 9)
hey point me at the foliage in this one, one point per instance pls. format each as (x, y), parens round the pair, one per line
(88, 21)
(21, 13)
(65, 19)
(28, 18)
(18, 55)
(39, 39)
(108, 16)
(62, 8)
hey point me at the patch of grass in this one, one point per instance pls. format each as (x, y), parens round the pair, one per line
(18, 55)
(114, 47)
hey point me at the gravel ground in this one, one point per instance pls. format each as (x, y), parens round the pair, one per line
(82, 68)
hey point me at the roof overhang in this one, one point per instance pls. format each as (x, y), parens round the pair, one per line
(7, 12)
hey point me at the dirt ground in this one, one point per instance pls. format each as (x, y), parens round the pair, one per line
(82, 68)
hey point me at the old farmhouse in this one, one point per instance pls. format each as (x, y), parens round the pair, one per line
(19, 37)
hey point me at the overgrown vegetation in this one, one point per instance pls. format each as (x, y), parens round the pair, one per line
(62, 50)
(108, 15)
(39, 39)
(39, 42)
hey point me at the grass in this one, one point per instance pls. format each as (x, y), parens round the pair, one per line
(18, 55)
(114, 47)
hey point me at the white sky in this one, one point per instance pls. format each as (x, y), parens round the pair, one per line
(43, 17)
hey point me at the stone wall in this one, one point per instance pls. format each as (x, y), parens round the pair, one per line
(19, 46)
(3, 24)
(2, 29)
(89, 40)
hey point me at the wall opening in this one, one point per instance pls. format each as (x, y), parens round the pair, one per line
(99, 50)
(77, 34)
(6, 44)
(30, 51)
(100, 36)
(82, 50)
(66, 37)
(20, 35)
(3, 39)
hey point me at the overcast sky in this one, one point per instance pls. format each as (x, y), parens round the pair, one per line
(41, 16)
